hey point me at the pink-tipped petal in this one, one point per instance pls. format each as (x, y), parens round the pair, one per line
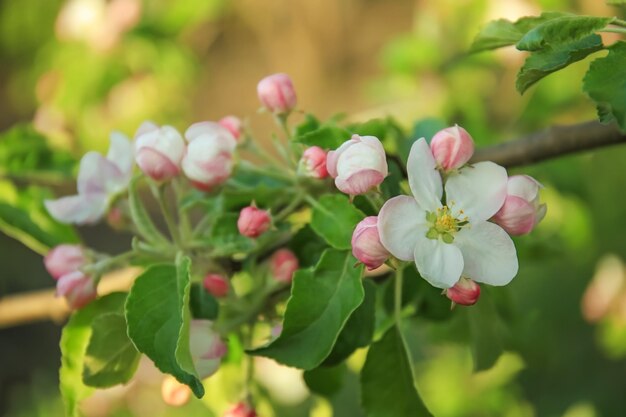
(517, 216)
(156, 165)
(359, 182)
(78, 209)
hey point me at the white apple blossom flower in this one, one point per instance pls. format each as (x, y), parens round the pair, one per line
(99, 179)
(450, 239)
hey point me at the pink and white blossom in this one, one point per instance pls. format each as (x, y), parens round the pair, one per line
(452, 147)
(209, 159)
(253, 221)
(521, 210)
(465, 292)
(63, 259)
(100, 179)
(206, 346)
(313, 163)
(358, 165)
(366, 246)
(452, 239)
(78, 289)
(277, 94)
(159, 151)
(283, 265)
(233, 124)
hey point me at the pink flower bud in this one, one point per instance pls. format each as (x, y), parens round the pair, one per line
(452, 147)
(77, 288)
(313, 163)
(358, 165)
(366, 246)
(283, 265)
(209, 158)
(253, 221)
(174, 393)
(206, 347)
(216, 285)
(63, 259)
(240, 410)
(233, 124)
(277, 94)
(465, 292)
(159, 151)
(521, 210)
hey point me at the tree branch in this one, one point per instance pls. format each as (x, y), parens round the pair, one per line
(550, 143)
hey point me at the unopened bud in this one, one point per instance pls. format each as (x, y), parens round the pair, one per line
(521, 210)
(77, 288)
(366, 245)
(465, 292)
(253, 221)
(240, 410)
(174, 393)
(313, 163)
(159, 151)
(233, 124)
(277, 94)
(216, 285)
(283, 265)
(452, 147)
(63, 259)
(206, 347)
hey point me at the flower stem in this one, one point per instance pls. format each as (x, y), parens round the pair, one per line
(615, 30)
(397, 305)
(159, 190)
(619, 22)
(185, 225)
(290, 208)
(104, 265)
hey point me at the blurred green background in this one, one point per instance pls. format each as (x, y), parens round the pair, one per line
(75, 70)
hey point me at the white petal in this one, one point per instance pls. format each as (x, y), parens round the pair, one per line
(78, 209)
(488, 252)
(97, 174)
(479, 190)
(438, 262)
(424, 179)
(401, 222)
(523, 186)
(121, 153)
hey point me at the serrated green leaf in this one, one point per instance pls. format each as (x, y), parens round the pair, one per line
(605, 83)
(565, 29)
(553, 58)
(359, 329)
(325, 381)
(334, 219)
(74, 342)
(326, 137)
(387, 385)
(321, 303)
(157, 314)
(111, 357)
(141, 218)
(203, 305)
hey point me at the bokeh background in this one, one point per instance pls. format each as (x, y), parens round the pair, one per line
(75, 70)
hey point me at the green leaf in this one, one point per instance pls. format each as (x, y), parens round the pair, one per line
(605, 82)
(157, 314)
(111, 357)
(24, 218)
(373, 127)
(141, 218)
(502, 32)
(391, 185)
(310, 124)
(225, 237)
(359, 329)
(74, 342)
(326, 137)
(564, 29)
(334, 219)
(252, 185)
(325, 381)
(203, 305)
(307, 246)
(321, 303)
(387, 385)
(548, 60)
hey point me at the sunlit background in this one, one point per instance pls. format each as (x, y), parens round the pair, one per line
(75, 70)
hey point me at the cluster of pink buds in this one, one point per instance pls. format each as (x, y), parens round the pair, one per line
(64, 262)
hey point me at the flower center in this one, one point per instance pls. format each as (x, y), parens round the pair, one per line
(443, 224)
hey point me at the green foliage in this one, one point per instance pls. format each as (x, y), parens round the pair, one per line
(561, 30)
(111, 358)
(325, 381)
(141, 218)
(550, 59)
(225, 237)
(334, 219)
(321, 302)
(326, 137)
(203, 305)
(387, 386)
(74, 342)
(158, 320)
(607, 86)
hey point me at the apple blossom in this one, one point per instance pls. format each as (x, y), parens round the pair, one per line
(521, 210)
(465, 292)
(366, 246)
(447, 240)
(63, 259)
(159, 151)
(452, 147)
(358, 165)
(240, 410)
(277, 94)
(233, 124)
(206, 347)
(283, 265)
(209, 158)
(78, 289)
(216, 284)
(313, 163)
(100, 179)
(253, 221)
(174, 393)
